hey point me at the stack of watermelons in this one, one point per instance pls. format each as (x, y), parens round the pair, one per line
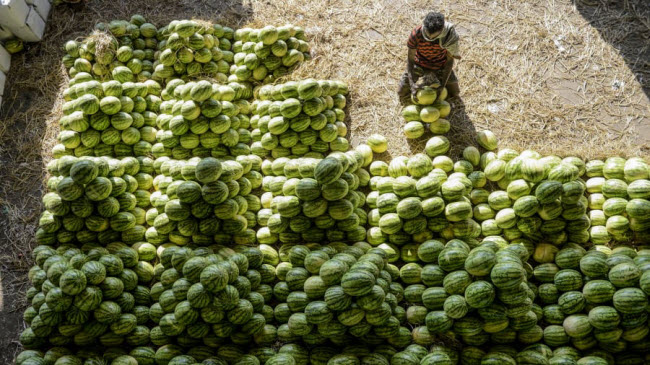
(202, 119)
(338, 296)
(190, 49)
(117, 49)
(542, 198)
(297, 118)
(96, 200)
(401, 204)
(619, 191)
(204, 200)
(86, 297)
(112, 118)
(268, 53)
(313, 200)
(428, 113)
(195, 220)
(205, 296)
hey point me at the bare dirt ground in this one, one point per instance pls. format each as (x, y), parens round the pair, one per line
(555, 76)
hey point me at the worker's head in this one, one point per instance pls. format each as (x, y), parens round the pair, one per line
(433, 25)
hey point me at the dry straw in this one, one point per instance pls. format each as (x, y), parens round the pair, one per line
(104, 42)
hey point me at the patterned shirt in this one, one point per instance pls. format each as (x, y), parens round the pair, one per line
(433, 54)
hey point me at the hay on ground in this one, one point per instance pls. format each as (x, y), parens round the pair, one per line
(104, 42)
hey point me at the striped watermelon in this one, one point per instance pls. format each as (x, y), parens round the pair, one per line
(630, 300)
(357, 283)
(507, 275)
(598, 291)
(72, 282)
(624, 275)
(433, 298)
(480, 261)
(480, 294)
(577, 325)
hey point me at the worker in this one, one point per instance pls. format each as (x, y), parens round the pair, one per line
(432, 49)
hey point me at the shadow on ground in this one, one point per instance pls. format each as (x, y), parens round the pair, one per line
(625, 24)
(463, 131)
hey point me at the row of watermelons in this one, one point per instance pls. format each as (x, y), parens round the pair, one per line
(157, 247)
(137, 50)
(429, 194)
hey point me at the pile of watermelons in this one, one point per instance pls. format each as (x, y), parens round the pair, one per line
(203, 208)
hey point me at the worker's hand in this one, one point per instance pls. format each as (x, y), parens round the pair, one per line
(414, 94)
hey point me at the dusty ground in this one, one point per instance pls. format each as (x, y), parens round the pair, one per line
(551, 75)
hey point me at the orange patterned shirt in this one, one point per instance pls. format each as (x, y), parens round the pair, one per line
(428, 54)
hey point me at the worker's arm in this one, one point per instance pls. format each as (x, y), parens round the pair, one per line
(410, 66)
(446, 71)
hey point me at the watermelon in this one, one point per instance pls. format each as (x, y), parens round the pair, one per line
(507, 275)
(479, 262)
(567, 280)
(328, 170)
(571, 302)
(309, 89)
(638, 208)
(604, 318)
(624, 275)
(438, 322)
(480, 294)
(357, 283)
(411, 113)
(577, 325)
(630, 300)
(548, 191)
(486, 139)
(72, 282)
(377, 143)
